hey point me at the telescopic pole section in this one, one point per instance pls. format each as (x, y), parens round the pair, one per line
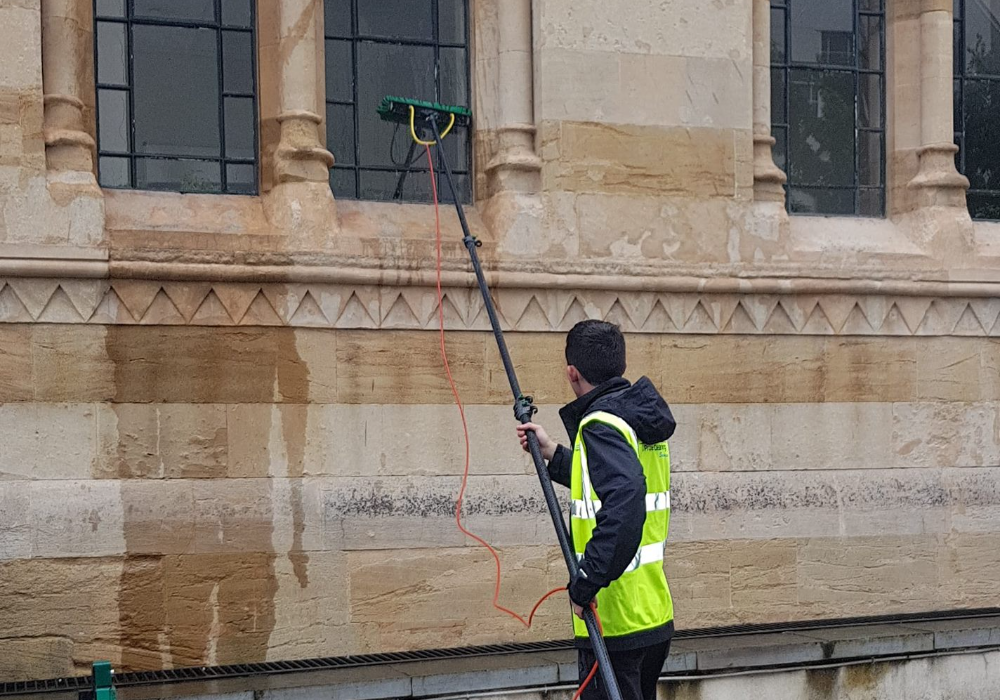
(523, 411)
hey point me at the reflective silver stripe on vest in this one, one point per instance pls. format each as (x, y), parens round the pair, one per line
(587, 510)
(647, 554)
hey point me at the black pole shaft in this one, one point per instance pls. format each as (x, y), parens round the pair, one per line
(402, 178)
(523, 411)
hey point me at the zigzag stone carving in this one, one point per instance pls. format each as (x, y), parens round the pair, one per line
(360, 306)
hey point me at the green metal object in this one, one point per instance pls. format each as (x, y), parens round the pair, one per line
(104, 689)
(397, 109)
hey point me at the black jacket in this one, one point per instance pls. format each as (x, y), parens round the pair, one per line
(616, 475)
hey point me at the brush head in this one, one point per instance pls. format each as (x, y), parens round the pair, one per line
(397, 109)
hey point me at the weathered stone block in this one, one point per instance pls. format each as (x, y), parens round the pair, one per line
(71, 363)
(206, 365)
(24, 69)
(255, 515)
(748, 505)
(975, 499)
(763, 578)
(407, 367)
(317, 353)
(42, 657)
(81, 605)
(683, 28)
(164, 441)
(972, 560)
(311, 608)
(734, 438)
(831, 436)
(420, 511)
(641, 228)
(790, 369)
(15, 520)
(197, 610)
(46, 441)
(626, 159)
(159, 516)
(952, 375)
(410, 597)
(15, 363)
(699, 576)
(540, 362)
(868, 575)
(938, 434)
(643, 89)
(894, 502)
(76, 519)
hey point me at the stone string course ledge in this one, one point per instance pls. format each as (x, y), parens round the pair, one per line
(939, 312)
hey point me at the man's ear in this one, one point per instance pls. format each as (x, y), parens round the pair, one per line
(572, 374)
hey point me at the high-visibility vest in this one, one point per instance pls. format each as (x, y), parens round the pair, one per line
(639, 599)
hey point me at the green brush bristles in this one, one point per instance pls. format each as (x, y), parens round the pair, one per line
(397, 109)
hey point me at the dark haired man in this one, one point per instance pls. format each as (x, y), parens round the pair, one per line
(619, 478)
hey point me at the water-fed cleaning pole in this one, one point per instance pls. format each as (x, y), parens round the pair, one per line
(524, 409)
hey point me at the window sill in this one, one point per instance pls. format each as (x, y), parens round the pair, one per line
(827, 238)
(987, 237)
(225, 228)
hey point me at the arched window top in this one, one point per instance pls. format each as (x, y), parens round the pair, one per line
(407, 48)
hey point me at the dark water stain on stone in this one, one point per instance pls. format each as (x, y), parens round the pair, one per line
(864, 677)
(292, 379)
(186, 609)
(822, 683)
(372, 502)
(682, 690)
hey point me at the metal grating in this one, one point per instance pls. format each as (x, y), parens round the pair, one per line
(82, 684)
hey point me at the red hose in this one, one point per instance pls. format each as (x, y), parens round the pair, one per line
(465, 433)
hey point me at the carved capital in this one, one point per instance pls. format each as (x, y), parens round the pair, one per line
(68, 146)
(514, 166)
(300, 155)
(938, 182)
(768, 178)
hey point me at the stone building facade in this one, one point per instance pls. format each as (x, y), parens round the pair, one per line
(226, 432)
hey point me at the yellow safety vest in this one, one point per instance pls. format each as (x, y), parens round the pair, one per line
(639, 599)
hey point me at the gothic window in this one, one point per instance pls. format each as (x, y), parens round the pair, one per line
(977, 102)
(404, 48)
(828, 104)
(177, 95)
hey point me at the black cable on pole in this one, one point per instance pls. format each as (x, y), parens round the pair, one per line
(524, 409)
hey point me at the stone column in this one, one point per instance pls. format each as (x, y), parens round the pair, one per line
(67, 82)
(514, 167)
(300, 156)
(937, 182)
(768, 179)
(300, 203)
(509, 184)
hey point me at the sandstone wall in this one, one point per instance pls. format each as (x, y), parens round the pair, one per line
(177, 496)
(226, 436)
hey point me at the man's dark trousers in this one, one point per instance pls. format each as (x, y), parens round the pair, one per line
(637, 672)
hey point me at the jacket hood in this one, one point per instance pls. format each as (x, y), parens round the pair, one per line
(640, 405)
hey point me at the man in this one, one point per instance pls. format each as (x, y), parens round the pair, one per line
(619, 477)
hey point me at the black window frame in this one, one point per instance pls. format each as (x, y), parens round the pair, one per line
(401, 140)
(860, 9)
(130, 21)
(961, 77)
